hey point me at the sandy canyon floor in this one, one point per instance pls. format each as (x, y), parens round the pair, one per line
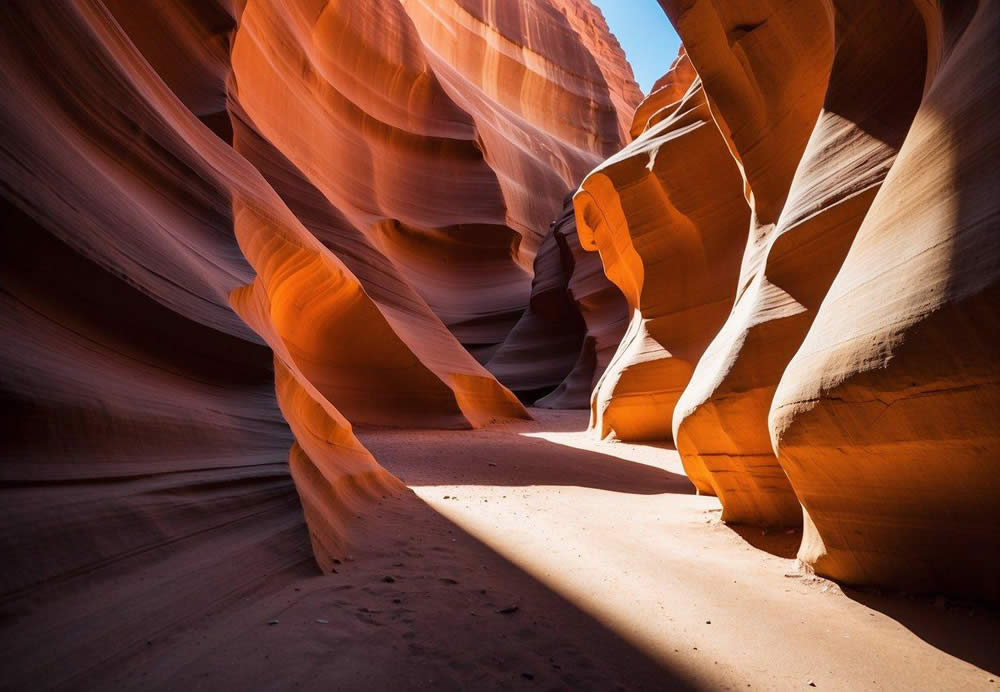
(531, 556)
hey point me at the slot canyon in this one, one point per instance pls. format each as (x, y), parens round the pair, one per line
(413, 344)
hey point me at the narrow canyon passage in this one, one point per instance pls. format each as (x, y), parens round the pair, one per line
(534, 557)
(427, 344)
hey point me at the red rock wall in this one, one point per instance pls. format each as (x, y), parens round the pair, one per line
(145, 407)
(562, 344)
(238, 227)
(588, 21)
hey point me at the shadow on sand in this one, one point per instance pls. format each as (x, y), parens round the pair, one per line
(418, 604)
(485, 457)
(782, 543)
(964, 629)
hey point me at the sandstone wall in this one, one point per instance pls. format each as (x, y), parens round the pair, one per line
(668, 219)
(236, 228)
(855, 380)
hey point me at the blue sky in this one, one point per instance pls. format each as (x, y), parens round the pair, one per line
(645, 33)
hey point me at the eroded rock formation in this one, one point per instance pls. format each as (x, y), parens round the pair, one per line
(574, 321)
(133, 383)
(765, 66)
(805, 218)
(872, 405)
(431, 190)
(667, 216)
(605, 316)
(887, 419)
(358, 186)
(588, 21)
(543, 346)
(878, 372)
(236, 229)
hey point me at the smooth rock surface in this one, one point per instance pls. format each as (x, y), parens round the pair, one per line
(187, 183)
(667, 216)
(576, 317)
(871, 94)
(886, 419)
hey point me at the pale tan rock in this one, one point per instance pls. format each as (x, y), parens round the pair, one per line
(886, 420)
(861, 102)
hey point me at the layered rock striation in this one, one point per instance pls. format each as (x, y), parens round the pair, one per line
(575, 319)
(848, 377)
(667, 216)
(144, 407)
(236, 229)
(855, 380)
(805, 216)
(604, 311)
(886, 418)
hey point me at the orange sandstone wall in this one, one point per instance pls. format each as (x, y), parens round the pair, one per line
(588, 21)
(575, 320)
(423, 129)
(803, 223)
(667, 217)
(235, 228)
(445, 133)
(765, 67)
(145, 408)
(546, 342)
(603, 309)
(855, 380)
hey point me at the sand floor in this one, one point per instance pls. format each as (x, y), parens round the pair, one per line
(534, 557)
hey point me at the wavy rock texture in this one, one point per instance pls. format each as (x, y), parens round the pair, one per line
(603, 309)
(546, 342)
(871, 95)
(173, 172)
(588, 21)
(574, 321)
(765, 66)
(670, 88)
(454, 172)
(886, 419)
(668, 217)
(433, 175)
(146, 410)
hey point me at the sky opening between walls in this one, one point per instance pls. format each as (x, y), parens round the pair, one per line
(645, 33)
